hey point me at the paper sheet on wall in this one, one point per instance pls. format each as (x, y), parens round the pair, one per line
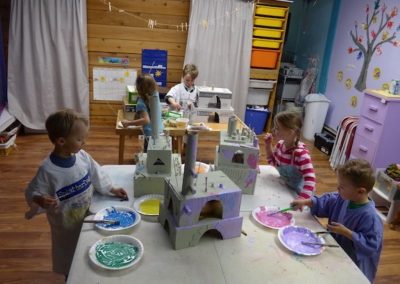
(110, 83)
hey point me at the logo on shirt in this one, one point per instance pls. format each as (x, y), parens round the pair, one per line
(74, 189)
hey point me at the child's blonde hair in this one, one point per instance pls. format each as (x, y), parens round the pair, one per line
(359, 172)
(290, 120)
(190, 69)
(60, 123)
(145, 86)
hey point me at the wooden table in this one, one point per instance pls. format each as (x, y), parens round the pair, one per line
(258, 257)
(175, 132)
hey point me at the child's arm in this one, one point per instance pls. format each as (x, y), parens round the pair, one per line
(322, 205)
(300, 203)
(119, 192)
(367, 237)
(144, 119)
(171, 96)
(269, 150)
(305, 166)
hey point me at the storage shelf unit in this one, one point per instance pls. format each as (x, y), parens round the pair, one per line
(270, 19)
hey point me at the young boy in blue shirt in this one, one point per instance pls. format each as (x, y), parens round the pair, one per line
(352, 216)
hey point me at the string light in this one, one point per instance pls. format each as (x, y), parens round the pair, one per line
(153, 23)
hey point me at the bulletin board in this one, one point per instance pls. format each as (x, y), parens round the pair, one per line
(109, 84)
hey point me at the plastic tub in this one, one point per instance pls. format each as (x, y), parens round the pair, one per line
(256, 119)
(268, 33)
(265, 43)
(261, 58)
(271, 11)
(269, 22)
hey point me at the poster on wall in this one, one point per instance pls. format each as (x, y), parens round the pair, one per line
(109, 84)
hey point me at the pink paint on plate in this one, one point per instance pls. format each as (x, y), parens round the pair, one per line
(277, 220)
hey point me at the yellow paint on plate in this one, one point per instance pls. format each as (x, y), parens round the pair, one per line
(150, 206)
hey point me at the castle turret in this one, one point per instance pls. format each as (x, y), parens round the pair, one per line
(190, 163)
(155, 113)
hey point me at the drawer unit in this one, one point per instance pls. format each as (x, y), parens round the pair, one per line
(261, 84)
(374, 108)
(265, 43)
(363, 148)
(378, 130)
(264, 58)
(269, 22)
(267, 33)
(369, 129)
(271, 11)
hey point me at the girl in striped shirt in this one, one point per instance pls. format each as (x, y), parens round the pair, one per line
(290, 156)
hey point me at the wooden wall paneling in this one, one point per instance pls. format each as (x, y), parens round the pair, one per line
(125, 34)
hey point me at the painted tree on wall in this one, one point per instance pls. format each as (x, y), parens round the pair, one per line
(379, 29)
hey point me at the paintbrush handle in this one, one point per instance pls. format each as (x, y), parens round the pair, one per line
(281, 211)
(100, 221)
(321, 245)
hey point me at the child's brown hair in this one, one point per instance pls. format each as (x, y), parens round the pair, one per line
(60, 123)
(190, 69)
(359, 172)
(290, 120)
(145, 86)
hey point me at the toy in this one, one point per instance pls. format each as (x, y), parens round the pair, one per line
(195, 204)
(238, 156)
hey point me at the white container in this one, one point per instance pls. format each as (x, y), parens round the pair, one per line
(257, 96)
(316, 108)
(261, 84)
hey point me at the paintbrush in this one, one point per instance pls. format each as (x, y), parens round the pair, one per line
(319, 244)
(280, 211)
(110, 222)
(322, 232)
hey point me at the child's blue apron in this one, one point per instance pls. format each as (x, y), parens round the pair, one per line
(292, 176)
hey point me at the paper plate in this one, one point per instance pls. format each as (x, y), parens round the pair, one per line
(276, 221)
(148, 205)
(127, 217)
(200, 168)
(116, 252)
(292, 237)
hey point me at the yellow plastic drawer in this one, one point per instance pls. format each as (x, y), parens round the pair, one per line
(278, 34)
(271, 11)
(269, 22)
(264, 43)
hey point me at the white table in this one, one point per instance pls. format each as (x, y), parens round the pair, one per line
(258, 257)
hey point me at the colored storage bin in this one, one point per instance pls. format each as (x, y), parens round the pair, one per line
(261, 58)
(256, 119)
(269, 33)
(265, 43)
(269, 22)
(271, 11)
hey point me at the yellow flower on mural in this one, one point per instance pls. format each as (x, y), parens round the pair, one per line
(126, 74)
(158, 73)
(353, 101)
(349, 84)
(385, 35)
(376, 73)
(102, 79)
(385, 86)
(340, 76)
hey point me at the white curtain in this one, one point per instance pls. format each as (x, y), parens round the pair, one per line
(47, 67)
(219, 43)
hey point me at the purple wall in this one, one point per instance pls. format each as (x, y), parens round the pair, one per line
(388, 61)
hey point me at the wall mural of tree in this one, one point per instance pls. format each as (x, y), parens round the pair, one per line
(369, 37)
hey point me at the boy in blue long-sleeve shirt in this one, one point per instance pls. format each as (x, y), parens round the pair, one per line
(353, 220)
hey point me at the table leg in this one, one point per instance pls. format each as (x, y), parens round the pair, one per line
(179, 142)
(121, 149)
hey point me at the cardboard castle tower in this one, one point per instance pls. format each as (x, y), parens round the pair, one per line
(238, 156)
(195, 204)
(159, 162)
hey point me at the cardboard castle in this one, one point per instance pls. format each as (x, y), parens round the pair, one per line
(197, 203)
(159, 162)
(237, 156)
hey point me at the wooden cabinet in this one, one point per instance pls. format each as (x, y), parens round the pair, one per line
(270, 19)
(378, 132)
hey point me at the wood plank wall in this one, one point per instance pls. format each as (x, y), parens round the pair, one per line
(120, 35)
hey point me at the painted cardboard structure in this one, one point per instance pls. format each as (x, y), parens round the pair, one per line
(238, 156)
(195, 204)
(159, 162)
